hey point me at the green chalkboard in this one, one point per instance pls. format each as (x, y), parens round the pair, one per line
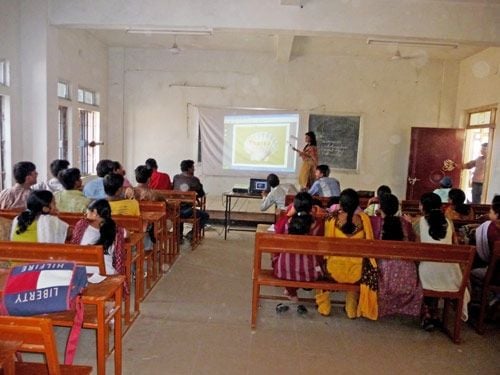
(338, 140)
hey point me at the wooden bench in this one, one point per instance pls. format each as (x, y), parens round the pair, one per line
(98, 313)
(490, 283)
(156, 213)
(36, 335)
(190, 198)
(266, 242)
(412, 208)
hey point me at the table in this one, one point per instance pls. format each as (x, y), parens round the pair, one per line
(227, 212)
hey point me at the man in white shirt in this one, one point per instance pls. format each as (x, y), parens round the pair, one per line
(479, 166)
(276, 195)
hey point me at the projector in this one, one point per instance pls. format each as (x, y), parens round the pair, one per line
(240, 188)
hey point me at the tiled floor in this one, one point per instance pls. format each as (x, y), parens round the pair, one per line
(197, 321)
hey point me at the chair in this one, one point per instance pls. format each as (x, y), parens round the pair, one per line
(491, 283)
(36, 335)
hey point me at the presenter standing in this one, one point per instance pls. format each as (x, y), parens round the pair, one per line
(309, 157)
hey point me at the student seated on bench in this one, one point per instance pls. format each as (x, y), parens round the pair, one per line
(374, 202)
(345, 224)
(486, 235)
(15, 197)
(53, 185)
(98, 228)
(399, 290)
(71, 198)
(458, 210)
(38, 222)
(324, 186)
(186, 181)
(113, 187)
(276, 194)
(433, 227)
(296, 266)
(142, 192)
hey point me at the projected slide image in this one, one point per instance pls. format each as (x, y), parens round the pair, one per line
(260, 145)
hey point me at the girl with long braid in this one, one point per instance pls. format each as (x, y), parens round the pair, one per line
(98, 228)
(434, 227)
(346, 223)
(399, 290)
(39, 223)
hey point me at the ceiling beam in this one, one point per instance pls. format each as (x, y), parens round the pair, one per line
(284, 45)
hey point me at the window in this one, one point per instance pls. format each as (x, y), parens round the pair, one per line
(88, 97)
(90, 135)
(2, 144)
(63, 90)
(4, 72)
(63, 133)
(481, 118)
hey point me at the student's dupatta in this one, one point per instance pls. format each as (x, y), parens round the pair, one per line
(368, 303)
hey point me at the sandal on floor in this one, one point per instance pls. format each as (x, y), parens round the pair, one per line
(301, 310)
(281, 308)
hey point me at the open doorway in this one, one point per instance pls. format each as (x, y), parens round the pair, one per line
(479, 131)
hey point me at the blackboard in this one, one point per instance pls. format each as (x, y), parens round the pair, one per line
(338, 140)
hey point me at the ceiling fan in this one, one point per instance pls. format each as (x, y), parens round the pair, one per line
(398, 56)
(175, 50)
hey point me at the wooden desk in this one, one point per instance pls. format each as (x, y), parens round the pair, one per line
(158, 219)
(97, 315)
(227, 211)
(8, 350)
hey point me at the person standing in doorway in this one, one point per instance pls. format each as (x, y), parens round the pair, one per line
(478, 174)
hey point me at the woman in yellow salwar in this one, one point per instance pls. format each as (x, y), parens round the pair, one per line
(350, 222)
(309, 157)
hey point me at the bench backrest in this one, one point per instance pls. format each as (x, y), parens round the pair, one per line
(321, 246)
(130, 222)
(84, 255)
(152, 206)
(36, 335)
(189, 197)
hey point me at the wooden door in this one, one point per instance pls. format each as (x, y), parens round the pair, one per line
(433, 152)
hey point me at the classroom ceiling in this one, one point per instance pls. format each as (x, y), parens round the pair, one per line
(265, 42)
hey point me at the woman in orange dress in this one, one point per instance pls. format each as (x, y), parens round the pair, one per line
(309, 157)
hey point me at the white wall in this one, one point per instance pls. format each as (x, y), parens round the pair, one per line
(480, 86)
(82, 60)
(391, 97)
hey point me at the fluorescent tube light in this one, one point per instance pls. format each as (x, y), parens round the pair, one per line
(403, 42)
(171, 31)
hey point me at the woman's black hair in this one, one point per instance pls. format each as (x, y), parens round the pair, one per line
(431, 206)
(383, 189)
(107, 230)
(37, 201)
(312, 138)
(457, 198)
(301, 222)
(303, 202)
(349, 202)
(392, 228)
